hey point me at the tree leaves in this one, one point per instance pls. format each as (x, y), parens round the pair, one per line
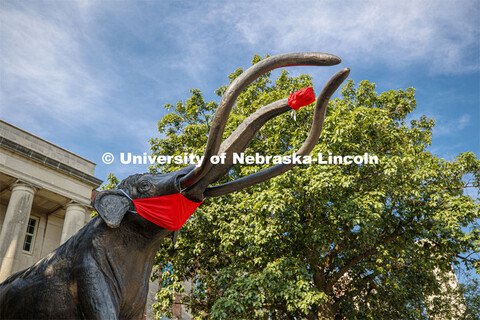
(323, 241)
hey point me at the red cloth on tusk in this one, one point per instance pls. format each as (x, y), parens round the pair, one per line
(301, 98)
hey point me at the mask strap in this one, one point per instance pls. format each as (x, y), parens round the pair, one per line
(126, 195)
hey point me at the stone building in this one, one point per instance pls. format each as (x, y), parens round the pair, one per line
(45, 197)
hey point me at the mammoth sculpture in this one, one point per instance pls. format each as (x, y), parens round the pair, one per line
(102, 272)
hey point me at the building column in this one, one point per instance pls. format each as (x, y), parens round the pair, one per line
(14, 227)
(74, 220)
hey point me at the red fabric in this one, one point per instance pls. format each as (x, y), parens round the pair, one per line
(301, 98)
(169, 212)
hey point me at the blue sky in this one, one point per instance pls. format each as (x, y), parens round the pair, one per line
(93, 76)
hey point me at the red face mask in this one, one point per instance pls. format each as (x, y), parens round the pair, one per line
(169, 212)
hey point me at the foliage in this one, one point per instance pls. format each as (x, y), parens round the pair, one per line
(111, 183)
(471, 292)
(323, 241)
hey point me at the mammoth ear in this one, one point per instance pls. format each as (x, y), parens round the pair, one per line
(112, 206)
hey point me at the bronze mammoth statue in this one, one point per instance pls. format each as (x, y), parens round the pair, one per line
(102, 272)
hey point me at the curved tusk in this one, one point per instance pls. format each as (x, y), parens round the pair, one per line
(237, 142)
(305, 149)
(234, 90)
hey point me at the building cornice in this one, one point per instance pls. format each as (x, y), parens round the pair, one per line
(49, 162)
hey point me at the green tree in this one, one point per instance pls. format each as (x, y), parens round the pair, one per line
(471, 292)
(322, 241)
(111, 183)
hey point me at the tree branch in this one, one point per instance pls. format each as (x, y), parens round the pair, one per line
(358, 258)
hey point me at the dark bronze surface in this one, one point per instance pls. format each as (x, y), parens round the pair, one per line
(102, 272)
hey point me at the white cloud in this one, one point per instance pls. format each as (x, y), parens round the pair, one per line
(445, 127)
(49, 82)
(440, 34)
(87, 63)
(42, 67)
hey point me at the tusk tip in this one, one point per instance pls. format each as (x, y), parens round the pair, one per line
(342, 74)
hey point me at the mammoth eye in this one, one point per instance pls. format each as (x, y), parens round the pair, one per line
(143, 186)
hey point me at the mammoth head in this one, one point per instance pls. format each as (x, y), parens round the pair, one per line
(192, 183)
(156, 189)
